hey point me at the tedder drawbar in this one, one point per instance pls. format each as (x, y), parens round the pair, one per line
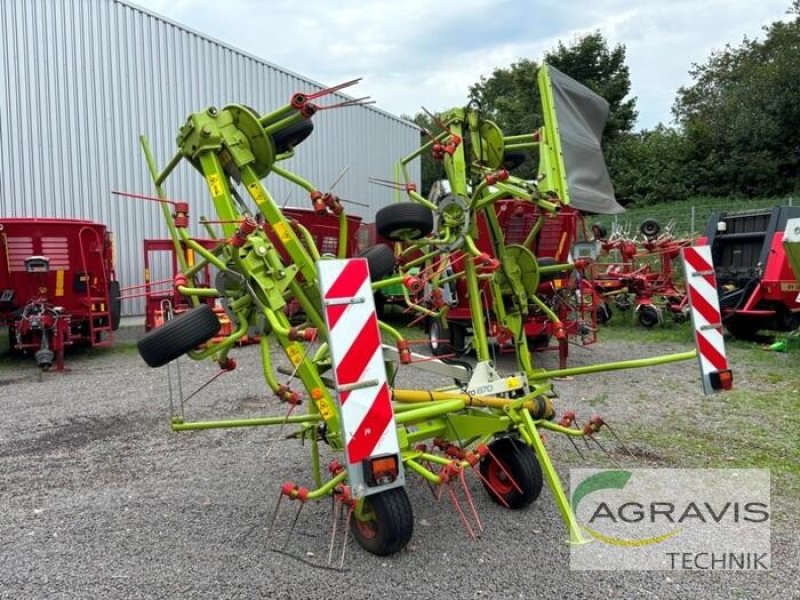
(488, 424)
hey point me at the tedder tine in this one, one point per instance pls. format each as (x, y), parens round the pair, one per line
(337, 506)
(294, 523)
(274, 514)
(578, 450)
(457, 506)
(619, 441)
(468, 497)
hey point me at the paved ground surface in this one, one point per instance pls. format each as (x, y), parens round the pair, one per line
(99, 499)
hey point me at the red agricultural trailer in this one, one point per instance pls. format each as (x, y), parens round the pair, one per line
(57, 286)
(161, 295)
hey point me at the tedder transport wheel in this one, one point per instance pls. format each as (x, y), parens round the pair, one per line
(114, 304)
(179, 335)
(451, 341)
(603, 313)
(404, 221)
(742, 327)
(381, 261)
(386, 522)
(519, 462)
(293, 135)
(648, 317)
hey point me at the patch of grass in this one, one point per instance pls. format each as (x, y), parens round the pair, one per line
(623, 327)
(738, 429)
(598, 400)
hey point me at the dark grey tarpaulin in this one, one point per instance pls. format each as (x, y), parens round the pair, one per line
(581, 116)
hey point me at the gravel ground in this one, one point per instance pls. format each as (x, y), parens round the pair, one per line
(101, 500)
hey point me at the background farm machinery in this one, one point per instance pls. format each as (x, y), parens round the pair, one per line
(161, 265)
(488, 423)
(57, 286)
(757, 287)
(643, 277)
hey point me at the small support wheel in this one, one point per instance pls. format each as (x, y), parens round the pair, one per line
(518, 462)
(380, 261)
(404, 221)
(648, 316)
(650, 228)
(385, 522)
(179, 335)
(440, 339)
(603, 313)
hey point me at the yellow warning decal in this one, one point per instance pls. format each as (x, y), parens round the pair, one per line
(282, 229)
(59, 282)
(147, 275)
(257, 192)
(513, 382)
(324, 408)
(215, 185)
(295, 353)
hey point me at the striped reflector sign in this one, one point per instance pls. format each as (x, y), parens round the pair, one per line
(701, 287)
(362, 391)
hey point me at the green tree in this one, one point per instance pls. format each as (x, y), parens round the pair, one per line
(741, 115)
(650, 166)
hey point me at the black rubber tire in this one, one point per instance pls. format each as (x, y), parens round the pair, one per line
(648, 317)
(513, 159)
(741, 327)
(650, 228)
(439, 341)
(458, 336)
(178, 336)
(380, 305)
(404, 221)
(114, 304)
(393, 526)
(604, 313)
(521, 463)
(787, 320)
(289, 137)
(381, 261)
(599, 232)
(539, 343)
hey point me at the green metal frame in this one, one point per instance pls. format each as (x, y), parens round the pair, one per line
(232, 147)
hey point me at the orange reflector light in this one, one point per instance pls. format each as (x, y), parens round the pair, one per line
(721, 380)
(381, 470)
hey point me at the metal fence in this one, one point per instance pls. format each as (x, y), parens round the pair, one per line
(686, 219)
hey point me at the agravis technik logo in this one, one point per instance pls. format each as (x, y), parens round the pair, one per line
(672, 519)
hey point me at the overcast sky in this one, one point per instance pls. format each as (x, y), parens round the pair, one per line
(418, 52)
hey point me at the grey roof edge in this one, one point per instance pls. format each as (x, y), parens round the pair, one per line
(232, 48)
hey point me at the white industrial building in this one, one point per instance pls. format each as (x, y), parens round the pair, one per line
(81, 79)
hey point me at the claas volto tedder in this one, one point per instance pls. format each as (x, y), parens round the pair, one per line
(488, 424)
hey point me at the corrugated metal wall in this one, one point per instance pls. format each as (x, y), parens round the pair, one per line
(81, 79)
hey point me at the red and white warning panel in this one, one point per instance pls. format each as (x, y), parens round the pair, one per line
(701, 287)
(372, 451)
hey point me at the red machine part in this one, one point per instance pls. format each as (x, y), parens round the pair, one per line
(57, 286)
(552, 245)
(643, 277)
